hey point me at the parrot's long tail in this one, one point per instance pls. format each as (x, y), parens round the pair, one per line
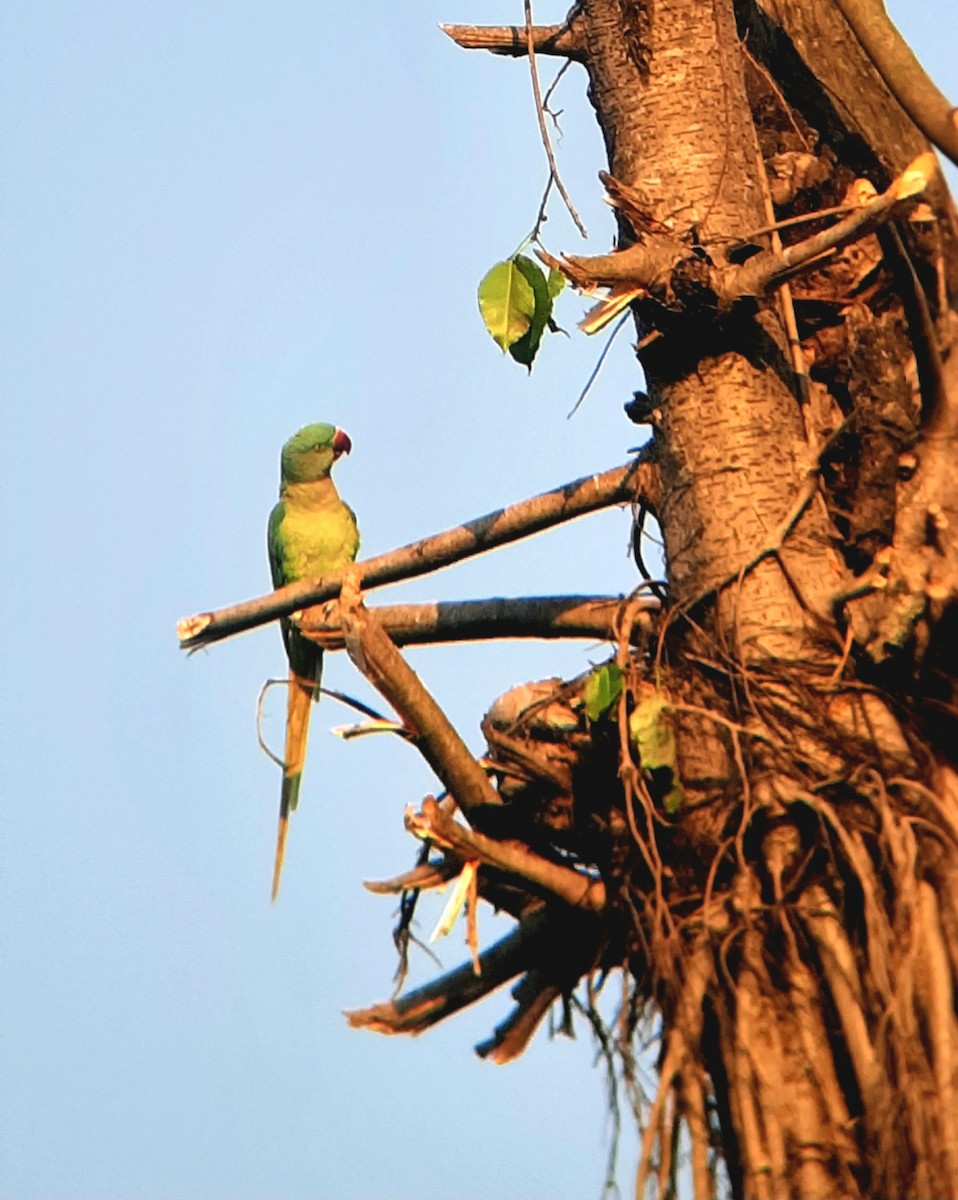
(299, 702)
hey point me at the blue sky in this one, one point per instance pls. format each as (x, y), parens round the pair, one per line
(220, 222)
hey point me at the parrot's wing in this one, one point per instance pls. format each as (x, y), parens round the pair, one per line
(277, 558)
(274, 544)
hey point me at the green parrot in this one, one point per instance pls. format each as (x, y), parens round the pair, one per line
(311, 532)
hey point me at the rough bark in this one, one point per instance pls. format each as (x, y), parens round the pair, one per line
(750, 811)
(781, 888)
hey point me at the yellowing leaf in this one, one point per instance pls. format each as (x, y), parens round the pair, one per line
(654, 739)
(507, 303)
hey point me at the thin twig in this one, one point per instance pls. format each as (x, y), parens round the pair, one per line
(541, 218)
(551, 88)
(543, 129)
(358, 705)
(259, 720)
(607, 1054)
(598, 366)
(617, 486)
(837, 210)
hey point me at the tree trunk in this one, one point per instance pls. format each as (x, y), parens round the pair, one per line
(781, 884)
(799, 937)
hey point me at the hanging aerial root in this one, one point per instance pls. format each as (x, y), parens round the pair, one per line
(680, 1048)
(793, 921)
(940, 1032)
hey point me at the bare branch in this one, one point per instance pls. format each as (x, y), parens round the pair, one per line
(420, 878)
(765, 271)
(437, 740)
(563, 41)
(621, 485)
(582, 891)
(537, 993)
(432, 623)
(643, 264)
(903, 74)
(426, 1006)
(649, 263)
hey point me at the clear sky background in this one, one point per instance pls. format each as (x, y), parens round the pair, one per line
(220, 222)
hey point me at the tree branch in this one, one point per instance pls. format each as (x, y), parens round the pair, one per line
(437, 740)
(426, 1006)
(537, 992)
(617, 486)
(767, 270)
(581, 891)
(423, 877)
(643, 264)
(903, 74)
(651, 262)
(562, 41)
(432, 623)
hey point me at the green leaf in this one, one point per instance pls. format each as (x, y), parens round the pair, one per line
(654, 739)
(507, 303)
(524, 350)
(555, 282)
(602, 689)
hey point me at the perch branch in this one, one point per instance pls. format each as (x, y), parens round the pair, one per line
(578, 890)
(573, 952)
(903, 74)
(563, 41)
(590, 617)
(426, 1006)
(620, 485)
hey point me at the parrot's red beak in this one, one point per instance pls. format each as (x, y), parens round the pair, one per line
(341, 442)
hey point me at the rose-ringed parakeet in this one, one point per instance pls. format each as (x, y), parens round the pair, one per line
(311, 531)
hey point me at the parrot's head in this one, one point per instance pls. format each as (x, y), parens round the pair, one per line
(309, 454)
